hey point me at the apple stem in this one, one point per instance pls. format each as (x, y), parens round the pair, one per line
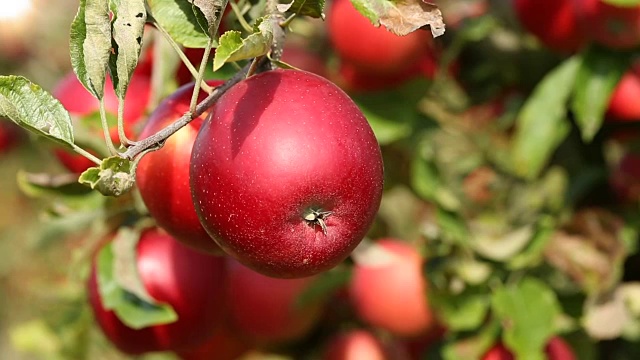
(123, 137)
(165, 133)
(245, 25)
(86, 154)
(318, 217)
(105, 128)
(203, 67)
(179, 51)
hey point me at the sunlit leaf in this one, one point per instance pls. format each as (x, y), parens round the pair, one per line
(180, 21)
(128, 27)
(112, 178)
(233, 47)
(402, 17)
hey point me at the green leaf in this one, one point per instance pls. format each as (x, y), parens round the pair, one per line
(26, 104)
(130, 17)
(323, 287)
(90, 44)
(42, 184)
(542, 123)
(623, 3)
(114, 177)
(528, 311)
(402, 17)
(599, 73)
(533, 254)
(212, 11)
(392, 113)
(311, 8)
(474, 346)
(233, 47)
(121, 289)
(461, 312)
(180, 21)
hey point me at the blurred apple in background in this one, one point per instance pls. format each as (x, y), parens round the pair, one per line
(362, 344)
(266, 310)
(388, 288)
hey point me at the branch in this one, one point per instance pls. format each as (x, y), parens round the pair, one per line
(161, 136)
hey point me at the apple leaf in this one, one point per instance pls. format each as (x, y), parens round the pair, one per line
(233, 47)
(610, 310)
(542, 122)
(29, 106)
(494, 238)
(212, 11)
(623, 3)
(113, 177)
(128, 27)
(90, 44)
(402, 17)
(599, 73)
(311, 8)
(461, 312)
(121, 288)
(178, 18)
(528, 311)
(533, 254)
(38, 185)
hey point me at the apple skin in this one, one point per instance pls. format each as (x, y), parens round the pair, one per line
(624, 105)
(556, 349)
(359, 42)
(191, 282)
(162, 176)
(304, 59)
(222, 345)
(612, 26)
(79, 102)
(264, 309)
(556, 23)
(279, 144)
(9, 136)
(625, 179)
(362, 344)
(389, 290)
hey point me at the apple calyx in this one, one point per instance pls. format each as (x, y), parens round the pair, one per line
(317, 217)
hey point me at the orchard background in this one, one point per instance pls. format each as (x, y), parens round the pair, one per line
(508, 224)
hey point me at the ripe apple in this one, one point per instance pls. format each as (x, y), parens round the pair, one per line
(556, 349)
(191, 282)
(362, 344)
(287, 175)
(374, 50)
(304, 59)
(265, 310)
(389, 290)
(624, 105)
(558, 24)
(614, 26)
(162, 176)
(222, 345)
(79, 102)
(625, 178)
(9, 135)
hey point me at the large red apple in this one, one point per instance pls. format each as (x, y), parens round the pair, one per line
(191, 282)
(79, 102)
(374, 50)
(556, 349)
(362, 344)
(163, 175)
(558, 24)
(613, 26)
(266, 310)
(287, 175)
(388, 288)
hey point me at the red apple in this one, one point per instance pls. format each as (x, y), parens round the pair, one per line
(191, 282)
(183, 75)
(556, 349)
(304, 59)
(222, 345)
(162, 176)
(362, 344)
(372, 49)
(624, 105)
(264, 309)
(9, 135)
(287, 175)
(613, 26)
(625, 178)
(558, 24)
(388, 288)
(79, 102)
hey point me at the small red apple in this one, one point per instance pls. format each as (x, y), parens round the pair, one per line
(287, 174)
(79, 102)
(9, 135)
(558, 24)
(624, 105)
(191, 282)
(266, 310)
(388, 288)
(162, 176)
(362, 344)
(372, 49)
